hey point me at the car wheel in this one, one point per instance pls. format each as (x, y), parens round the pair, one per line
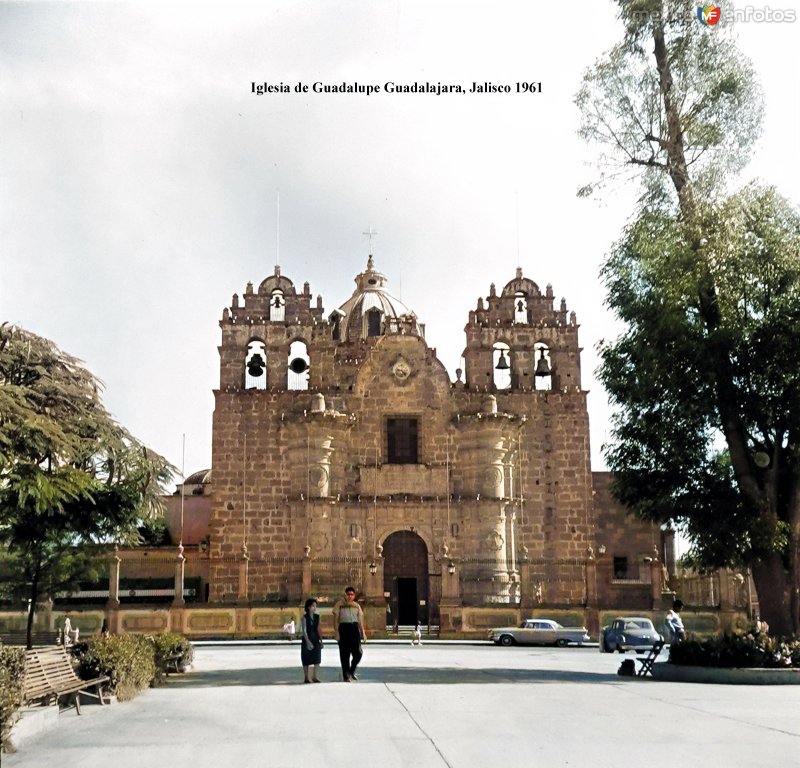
(604, 645)
(562, 643)
(620, 649)
(506, 640)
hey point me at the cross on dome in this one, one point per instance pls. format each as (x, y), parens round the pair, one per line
(370, 233)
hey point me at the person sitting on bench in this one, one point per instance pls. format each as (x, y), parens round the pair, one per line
(675, 629)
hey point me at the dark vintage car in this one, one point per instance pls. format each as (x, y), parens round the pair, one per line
(629, 633)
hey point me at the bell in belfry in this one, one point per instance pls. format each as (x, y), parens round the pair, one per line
(298, 365)
(502, 363)
(542, 365)
(255, 367)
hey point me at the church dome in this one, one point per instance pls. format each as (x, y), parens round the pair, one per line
(373, 311)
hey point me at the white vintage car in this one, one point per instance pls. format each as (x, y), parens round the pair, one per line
(539, 632)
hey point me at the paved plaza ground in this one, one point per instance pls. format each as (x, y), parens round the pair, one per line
(462, 706)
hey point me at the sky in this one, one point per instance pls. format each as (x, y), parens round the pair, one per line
(139, 175)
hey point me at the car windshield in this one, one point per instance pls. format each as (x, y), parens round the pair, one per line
(639, 624)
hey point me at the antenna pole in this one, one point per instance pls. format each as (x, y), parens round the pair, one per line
(278, 227)
(183, 487)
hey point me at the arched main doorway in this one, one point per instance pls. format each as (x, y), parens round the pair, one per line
(405, 577)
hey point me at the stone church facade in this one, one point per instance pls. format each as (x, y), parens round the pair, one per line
(343, 452)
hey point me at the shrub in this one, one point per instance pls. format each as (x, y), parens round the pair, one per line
(128, 660)
(754, 649)
(169, 644)
(12, 675)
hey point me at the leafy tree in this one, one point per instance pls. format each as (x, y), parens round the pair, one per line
(71, 478)
(673, 101)
(707, 375)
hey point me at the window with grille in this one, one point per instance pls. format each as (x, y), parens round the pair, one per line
(402, 437)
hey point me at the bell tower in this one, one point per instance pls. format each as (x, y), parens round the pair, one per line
(518, 342)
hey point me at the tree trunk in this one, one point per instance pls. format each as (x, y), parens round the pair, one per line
(775, 593)
(32, 610)
(676, 157)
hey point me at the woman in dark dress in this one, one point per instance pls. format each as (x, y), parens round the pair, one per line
(311, 645)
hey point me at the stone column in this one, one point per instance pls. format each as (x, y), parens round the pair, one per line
(113, 581)
(513, 573)
(526, 592)
(112, 605)
(591, 579)
(494, 474)
(319, 470)
(244, 573)
(180, 569)
(306, 586)
(655, 579)
(495, 547)
(669, 553)
(483, 445)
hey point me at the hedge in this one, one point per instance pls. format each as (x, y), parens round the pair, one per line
(171, 644)
(12, 675)
(751, 650)
(129, 661)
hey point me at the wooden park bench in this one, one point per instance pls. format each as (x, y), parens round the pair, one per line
(648, 661)
(49, 674)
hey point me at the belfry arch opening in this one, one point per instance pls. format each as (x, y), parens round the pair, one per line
(299, 362)
(520, 307)
(255, 366)
(405, 578)
(543, 373)
(501, 365)
(277, 306)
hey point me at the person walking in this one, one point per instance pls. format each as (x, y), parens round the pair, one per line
(417, 639)
(311, 644)
(348, 628)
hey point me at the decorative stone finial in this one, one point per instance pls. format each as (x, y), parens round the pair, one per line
(370, 264)
(519, 273)
(458, 374)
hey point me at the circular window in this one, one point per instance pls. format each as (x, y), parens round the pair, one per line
(372, 281)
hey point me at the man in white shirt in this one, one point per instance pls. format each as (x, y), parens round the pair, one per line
(674, 623)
